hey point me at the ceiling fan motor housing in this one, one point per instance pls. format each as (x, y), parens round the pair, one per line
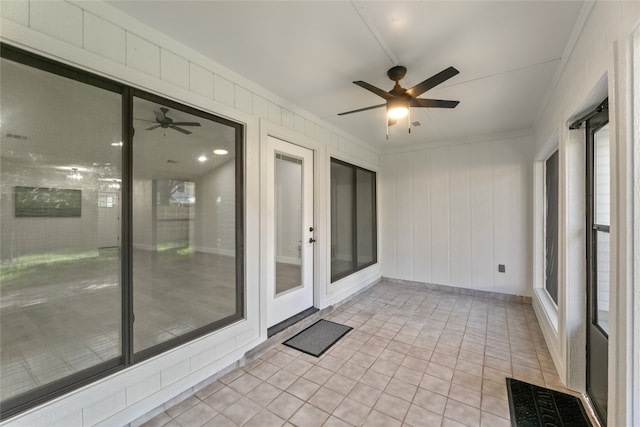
(397, 73)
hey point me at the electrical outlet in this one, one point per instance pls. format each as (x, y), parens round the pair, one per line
(501, 268)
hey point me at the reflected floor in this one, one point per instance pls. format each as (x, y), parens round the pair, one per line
(63, 317)
(288, 276)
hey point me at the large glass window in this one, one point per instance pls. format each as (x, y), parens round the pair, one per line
(121, 227)
(184, 222)
(353, 219)
(60, 286)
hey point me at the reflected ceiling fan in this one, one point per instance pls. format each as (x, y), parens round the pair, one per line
(165, 122)
(399, 100)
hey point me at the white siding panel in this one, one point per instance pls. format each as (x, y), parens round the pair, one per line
(201, 81)
(260, 107)
(106, 407)
(287, 119)
(143, 55)
(224, 90)
(61, 20)
(244, 100)
(421, 216)
(460, 202)
(275, 113)
(481, 179)
(174, 69)
(439, 215)
(404, 209)
(16, 11)
(104, 38)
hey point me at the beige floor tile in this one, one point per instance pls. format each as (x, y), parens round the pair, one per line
(420, 417)
(326, 399)
(303, 388)
(392, 406)
(365, 394)
(197, 415)
(379, 419)
(462, 413)
(401, 389)
(310, 416)
(375, 379)
(340, 384)
(223, 398)
(285, 405)
(243, 410)
(263, 394)
(351, 411)
(430, 400)
(264, 419)
(489, 420)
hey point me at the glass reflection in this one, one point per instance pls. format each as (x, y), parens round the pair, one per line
(184, 229)
(288, 227)
(60, 227)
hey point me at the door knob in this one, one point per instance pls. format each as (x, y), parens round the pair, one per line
(311, 240)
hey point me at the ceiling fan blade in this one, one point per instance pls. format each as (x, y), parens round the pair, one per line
(432, 103)
(186, 132)
(381, 93)
(432, 82)
(145, 120)
(362, 109)
(153, 127)
(159, 116)
(186, 123)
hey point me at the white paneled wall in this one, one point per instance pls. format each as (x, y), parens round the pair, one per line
(451, 214)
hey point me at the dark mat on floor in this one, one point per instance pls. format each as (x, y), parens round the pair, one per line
(318, 338)
(534, 406)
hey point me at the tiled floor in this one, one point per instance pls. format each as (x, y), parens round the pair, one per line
(416, 357)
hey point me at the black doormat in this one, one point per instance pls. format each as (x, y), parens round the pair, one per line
(318, 338)
(534, 406)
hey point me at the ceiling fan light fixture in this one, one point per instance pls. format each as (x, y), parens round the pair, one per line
(220, 152)
(397, 108)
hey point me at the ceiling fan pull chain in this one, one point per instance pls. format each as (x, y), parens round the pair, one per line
(409, 120)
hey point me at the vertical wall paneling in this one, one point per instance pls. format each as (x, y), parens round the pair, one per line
(439, 215)
(421, 216)
(481, 178)
(503, 212)
(387, 215)
(460, 214)
(404, 209)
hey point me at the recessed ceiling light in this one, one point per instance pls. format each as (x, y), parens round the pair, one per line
(202, 158)
(220, 151)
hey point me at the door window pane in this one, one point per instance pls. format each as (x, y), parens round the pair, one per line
(184, 223)
(60, 243)
(601, 185)
(602, 280)
(551, 226)
(288, 214)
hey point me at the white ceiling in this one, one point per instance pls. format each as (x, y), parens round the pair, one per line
(310, 52)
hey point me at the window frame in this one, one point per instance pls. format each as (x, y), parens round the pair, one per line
(27, 400)
(354, 218)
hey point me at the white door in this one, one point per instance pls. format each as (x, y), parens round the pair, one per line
(108, 220)
(289, 231)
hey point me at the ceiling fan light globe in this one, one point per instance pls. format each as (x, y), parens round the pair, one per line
(397, 112)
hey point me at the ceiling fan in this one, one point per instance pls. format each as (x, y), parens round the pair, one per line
(400, 100)
(165, 122)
